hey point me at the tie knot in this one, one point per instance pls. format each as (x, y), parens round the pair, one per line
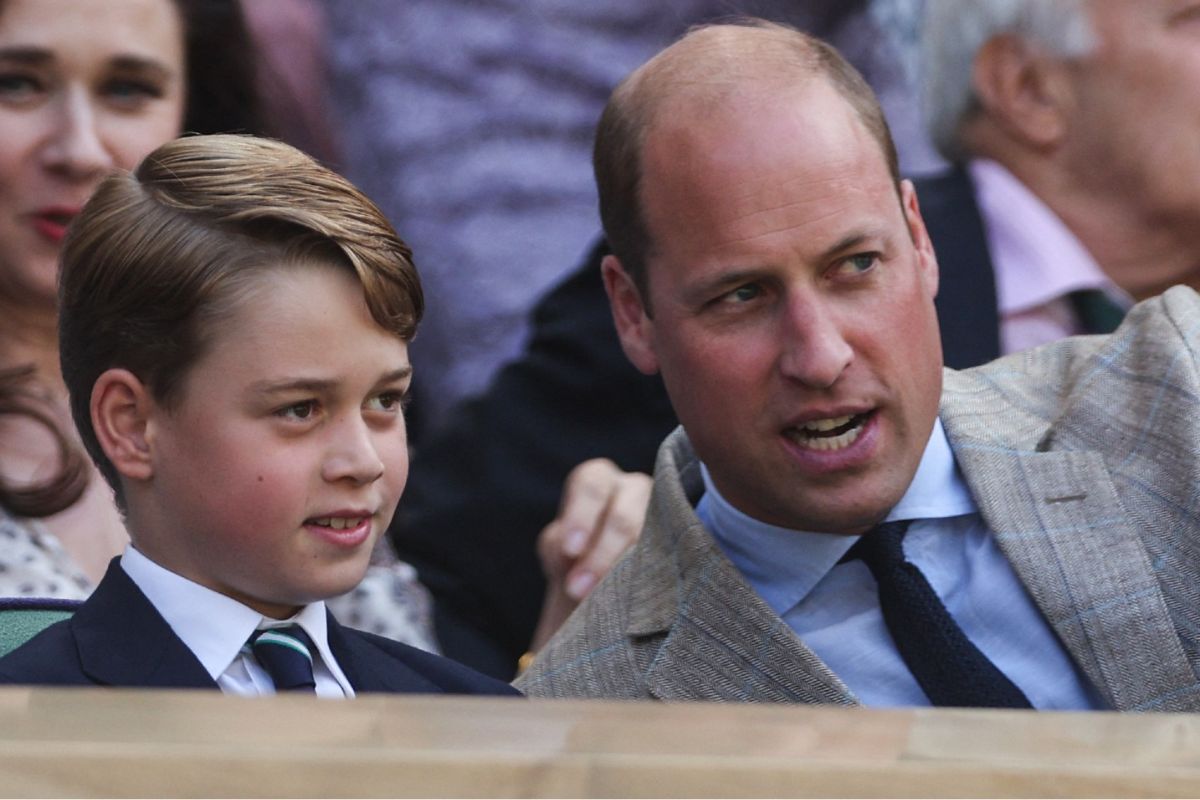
(286, 654)
(880, 545)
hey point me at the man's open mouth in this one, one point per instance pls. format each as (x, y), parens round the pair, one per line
(831, 433)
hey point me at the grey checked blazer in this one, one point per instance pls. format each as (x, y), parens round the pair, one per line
(1084, 459)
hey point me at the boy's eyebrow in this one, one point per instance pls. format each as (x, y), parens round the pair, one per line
(26, 55)
(320, 384)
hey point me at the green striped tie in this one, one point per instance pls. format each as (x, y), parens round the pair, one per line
(286, 654)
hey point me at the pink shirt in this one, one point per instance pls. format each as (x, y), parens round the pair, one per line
(1037, 260)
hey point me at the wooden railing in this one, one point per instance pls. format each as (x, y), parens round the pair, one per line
(89, 742)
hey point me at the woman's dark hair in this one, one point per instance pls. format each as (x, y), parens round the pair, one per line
(221, 71)
(18, 397)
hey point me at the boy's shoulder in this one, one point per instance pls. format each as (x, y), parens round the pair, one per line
(377, 664)
(50, 658)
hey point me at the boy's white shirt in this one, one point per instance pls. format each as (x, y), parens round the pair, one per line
(216, 628)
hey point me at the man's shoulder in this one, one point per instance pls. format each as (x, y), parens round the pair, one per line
(594, 654)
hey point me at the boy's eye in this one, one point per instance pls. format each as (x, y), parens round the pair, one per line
(299, 411)
(18, 87)
(390, 402)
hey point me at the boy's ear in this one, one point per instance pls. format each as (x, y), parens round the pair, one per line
(120, 408)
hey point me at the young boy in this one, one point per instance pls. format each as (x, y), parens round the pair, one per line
(233, 335)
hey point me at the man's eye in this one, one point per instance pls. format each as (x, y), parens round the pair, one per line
(742, 294)
(860, 262)
(298, 411)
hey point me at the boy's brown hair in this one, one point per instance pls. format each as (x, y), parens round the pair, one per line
(157, 258)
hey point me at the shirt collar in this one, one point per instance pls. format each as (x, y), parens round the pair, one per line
(783, 565)
(215, 627)
(1036, 257)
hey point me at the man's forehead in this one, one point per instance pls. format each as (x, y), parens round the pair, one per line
(799, 139)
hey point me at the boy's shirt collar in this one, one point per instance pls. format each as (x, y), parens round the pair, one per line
(215, 627)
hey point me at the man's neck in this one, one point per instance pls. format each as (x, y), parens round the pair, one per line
(1140, 254)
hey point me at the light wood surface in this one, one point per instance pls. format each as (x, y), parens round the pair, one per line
(87, 742)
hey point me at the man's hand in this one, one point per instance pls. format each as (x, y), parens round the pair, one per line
(599, 517)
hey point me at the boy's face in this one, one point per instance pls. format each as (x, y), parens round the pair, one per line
(285, 453)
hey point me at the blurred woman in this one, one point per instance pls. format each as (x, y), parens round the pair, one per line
(86, 87)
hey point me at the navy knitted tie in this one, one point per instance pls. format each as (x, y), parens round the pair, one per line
(949, 668)
(286, 654)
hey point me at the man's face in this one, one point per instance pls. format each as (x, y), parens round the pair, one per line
(1134, 131)
(793, 314)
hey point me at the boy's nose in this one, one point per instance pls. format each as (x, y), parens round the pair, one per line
(353, 456)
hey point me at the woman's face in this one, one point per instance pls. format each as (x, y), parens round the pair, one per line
(86, 87)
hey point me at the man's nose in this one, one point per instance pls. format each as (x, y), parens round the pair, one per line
(76, 145)
(815, 351)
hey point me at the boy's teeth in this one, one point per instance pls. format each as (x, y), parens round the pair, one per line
(821, 425)
(337, 523)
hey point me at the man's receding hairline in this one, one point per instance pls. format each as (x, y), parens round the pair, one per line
(669, 74)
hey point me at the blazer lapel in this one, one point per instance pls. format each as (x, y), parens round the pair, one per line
(966, 302)
(367, 668)
(124, 641)
(719, 640)
(1059, 519)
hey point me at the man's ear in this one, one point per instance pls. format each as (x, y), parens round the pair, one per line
(926, 257)
(121, 407)
(634, 326)
(1024, 90)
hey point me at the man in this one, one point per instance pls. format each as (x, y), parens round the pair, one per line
(486, 482)
(770, 265)
(1072, 125)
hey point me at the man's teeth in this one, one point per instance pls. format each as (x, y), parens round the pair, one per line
(822, 425)
(337, 523)
(814, 434)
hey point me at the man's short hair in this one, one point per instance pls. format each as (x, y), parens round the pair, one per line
(954, 30)
(770, 51)
(158, 257)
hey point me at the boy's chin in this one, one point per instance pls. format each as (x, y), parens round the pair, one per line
(303, 596)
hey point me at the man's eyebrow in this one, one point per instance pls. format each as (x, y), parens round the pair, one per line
(848, 243)
(726, 280)
(321, 384)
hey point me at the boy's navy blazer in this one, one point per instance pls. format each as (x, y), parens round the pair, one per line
(118, 638)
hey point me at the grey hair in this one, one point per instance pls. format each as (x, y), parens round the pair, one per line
(955, 30)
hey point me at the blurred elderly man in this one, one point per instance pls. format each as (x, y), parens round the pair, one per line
(839, 520)
(1075, 126)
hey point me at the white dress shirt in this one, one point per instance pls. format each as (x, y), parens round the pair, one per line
(216, 628)
(834, 608)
